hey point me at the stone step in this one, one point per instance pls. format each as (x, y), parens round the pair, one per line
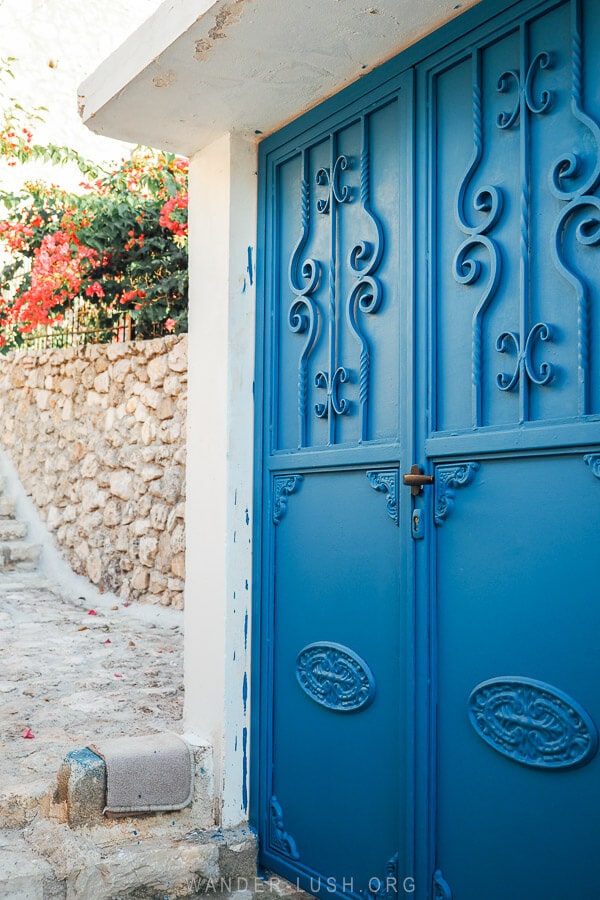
(19, 555)
(7, 508)
(24, 874)
(12, 530)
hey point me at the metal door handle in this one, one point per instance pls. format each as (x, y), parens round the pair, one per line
(416, 479)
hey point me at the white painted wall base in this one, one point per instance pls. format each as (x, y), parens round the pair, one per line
(220, 446)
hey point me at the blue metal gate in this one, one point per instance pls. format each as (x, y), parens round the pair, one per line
(428, 472)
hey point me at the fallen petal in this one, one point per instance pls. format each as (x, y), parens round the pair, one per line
(92, 612)
(28, 733)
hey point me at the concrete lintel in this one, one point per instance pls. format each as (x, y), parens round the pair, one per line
(198, 69)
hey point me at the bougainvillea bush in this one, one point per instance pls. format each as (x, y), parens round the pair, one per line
(108, 261)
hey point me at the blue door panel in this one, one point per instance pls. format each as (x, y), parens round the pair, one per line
(343, 602)
(517, 599)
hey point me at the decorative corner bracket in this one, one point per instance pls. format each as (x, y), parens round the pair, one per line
(593, 461)
(386, 481)
(283, 486)
(447, 480)
(385, 888)
(441, 888)
(280, 840)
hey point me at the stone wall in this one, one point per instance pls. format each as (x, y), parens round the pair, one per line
(97, 434)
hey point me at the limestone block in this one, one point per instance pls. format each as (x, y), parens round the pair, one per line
(120, 369)
(66, 412)
(140, 578)
(128, 513)
(117, 351)
(102, 382)
(148, 433)
(91, 497)
(148, 549)
(140, 527)
(42, 399)
(177, 358)
(178, 539)
(178, 565)
(171, 484)
(169, 431)
(111, 515)
(151, 473)
(165, 409)
(68, 387)
(159, 513)
(122, 540)
(141, 413)
(150, 397)
(172, 385)
(90, 466)
(157, 369)
(121, 484)
(157, 582)
(178, 512)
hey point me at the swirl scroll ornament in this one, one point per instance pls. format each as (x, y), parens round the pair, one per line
(487, 204)
(279, 839)
(532, 723)
(447, 480)
(366, 294)
(335, 677)
(525, 363)
(304, 277)
(593, 461)
(386, 481)
(332, 378)
(525, 93)
(528, 102)
(570, 182)
(441, 888)
(283, 486)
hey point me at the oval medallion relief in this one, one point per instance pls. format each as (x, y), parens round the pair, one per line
(335, 677)
(532, 723)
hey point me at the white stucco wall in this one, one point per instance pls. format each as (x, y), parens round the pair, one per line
(57, 43)
(219, 481)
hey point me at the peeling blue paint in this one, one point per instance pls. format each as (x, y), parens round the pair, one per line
(235, 744)
(245, 691)
(234, 536)
(245, 770)
(246, 631)
(234, 655)
(235, 497)
(247, 517)
(246, 584)
(250, 268)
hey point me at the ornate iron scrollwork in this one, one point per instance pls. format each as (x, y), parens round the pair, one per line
(283, 486)
(280, 840)
(364, 298)
(487, 206)
(386, 481)
(532, 723)
(571, 183)
(447, 480)
(335, 677)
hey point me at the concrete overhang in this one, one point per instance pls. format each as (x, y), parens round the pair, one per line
(197, 69)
